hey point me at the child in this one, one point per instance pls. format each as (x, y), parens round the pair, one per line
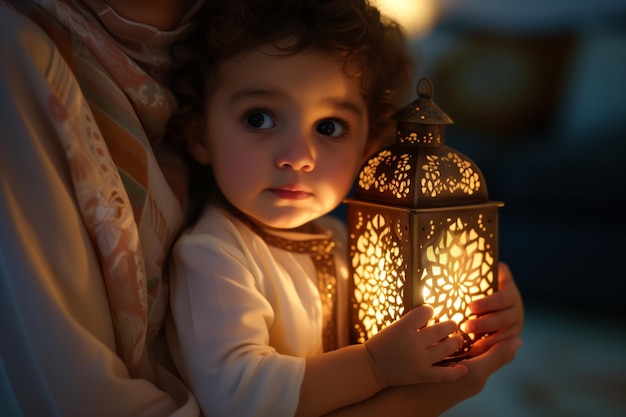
(297, 94)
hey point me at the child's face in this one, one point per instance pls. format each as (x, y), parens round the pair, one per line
(285, 135)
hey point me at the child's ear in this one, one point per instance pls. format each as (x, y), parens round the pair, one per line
(198, 144)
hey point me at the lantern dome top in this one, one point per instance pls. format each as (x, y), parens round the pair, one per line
(423, 110)
(419, 171)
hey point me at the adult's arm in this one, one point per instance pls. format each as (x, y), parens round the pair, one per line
(58, 352)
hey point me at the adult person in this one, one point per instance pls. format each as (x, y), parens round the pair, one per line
(86, 214)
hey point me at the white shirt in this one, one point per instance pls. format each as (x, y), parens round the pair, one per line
(246, 314)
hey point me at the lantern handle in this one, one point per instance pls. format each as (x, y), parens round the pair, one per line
(425, 91)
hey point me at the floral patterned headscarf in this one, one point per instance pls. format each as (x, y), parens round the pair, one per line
(107, 123)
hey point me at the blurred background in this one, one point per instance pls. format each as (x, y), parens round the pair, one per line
(537, 91)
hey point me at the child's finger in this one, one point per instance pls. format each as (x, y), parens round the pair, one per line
(490, 323)
(417, 317)
(437, 332)
(444, 348)
(447, 373)
(494, 302)
(507, 295)
(496, 355)
(505, 277)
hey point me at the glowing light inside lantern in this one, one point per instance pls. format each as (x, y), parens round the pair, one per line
(458, 269)
(379, 278)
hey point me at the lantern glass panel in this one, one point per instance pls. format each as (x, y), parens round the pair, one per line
(379, 258)
(457, 252)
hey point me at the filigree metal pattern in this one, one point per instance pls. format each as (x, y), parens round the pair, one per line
(378, 276)
(433, 184)
(458, 269)
(398, 185)
(427, 138)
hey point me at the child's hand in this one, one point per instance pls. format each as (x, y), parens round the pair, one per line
(501, 313)
(404, 352)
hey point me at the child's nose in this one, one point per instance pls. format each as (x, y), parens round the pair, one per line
(297, 154)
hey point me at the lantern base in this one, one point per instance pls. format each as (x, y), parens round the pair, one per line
(465, 351)
(454, 359)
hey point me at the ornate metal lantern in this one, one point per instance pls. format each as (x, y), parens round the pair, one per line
(421, 228)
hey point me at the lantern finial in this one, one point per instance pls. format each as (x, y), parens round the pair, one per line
(426, 90)
(423, 110)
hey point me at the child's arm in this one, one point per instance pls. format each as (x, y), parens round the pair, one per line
(402, 354)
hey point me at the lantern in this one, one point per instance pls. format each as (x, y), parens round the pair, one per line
(421, 228)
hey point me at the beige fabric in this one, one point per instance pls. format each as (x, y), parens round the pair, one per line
(320, 250)
(86, 219)
(247, 314)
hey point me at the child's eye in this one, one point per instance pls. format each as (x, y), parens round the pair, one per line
(258, 119)
(332, 128)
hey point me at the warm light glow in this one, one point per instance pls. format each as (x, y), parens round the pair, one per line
(458, 270)
(455, 266)
(378, 279)
(398, 185)
(461, 176)
(466, 181)
(416, 16)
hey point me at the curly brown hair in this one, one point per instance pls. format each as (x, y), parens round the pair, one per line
(372, 46)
